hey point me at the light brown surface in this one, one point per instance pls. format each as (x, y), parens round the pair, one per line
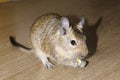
(17, 18)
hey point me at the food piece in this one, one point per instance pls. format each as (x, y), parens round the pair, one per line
(78, 61)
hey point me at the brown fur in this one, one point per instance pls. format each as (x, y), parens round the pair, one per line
(48, 42)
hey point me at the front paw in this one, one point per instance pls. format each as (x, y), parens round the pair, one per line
(83, 63)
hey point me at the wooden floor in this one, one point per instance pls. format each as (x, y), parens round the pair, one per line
(102, 31)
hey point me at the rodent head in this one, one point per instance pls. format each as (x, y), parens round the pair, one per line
(71, 43)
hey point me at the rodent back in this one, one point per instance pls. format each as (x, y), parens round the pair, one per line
(43, 30)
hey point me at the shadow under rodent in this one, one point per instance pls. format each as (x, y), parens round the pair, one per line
(92, 37)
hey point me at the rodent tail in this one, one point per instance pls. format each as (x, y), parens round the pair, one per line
(16, 44)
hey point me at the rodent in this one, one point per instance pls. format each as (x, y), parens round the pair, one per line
(53, 37)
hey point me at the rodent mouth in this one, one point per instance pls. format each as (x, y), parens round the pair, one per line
(79, 55)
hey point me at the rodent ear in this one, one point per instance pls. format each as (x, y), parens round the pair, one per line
(81, 23)
(64, 25)
(64, 22)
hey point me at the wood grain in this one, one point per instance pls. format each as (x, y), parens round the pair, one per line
(17, 18)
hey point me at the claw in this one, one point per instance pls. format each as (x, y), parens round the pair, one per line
(47, 64)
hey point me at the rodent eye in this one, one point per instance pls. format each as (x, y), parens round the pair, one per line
(73, 42)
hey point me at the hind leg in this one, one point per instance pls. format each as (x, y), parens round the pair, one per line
(40, 54)
(44, 58)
